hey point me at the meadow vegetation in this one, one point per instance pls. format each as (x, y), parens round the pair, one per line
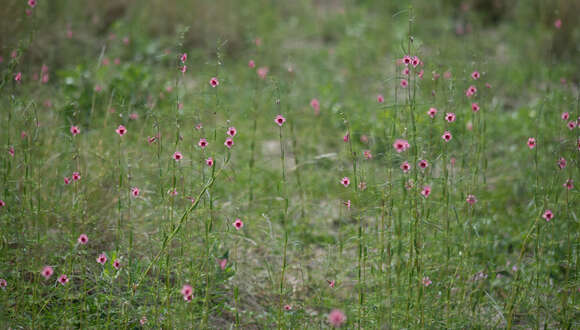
(289, 164)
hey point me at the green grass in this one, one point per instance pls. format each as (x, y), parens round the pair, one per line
(497, 263)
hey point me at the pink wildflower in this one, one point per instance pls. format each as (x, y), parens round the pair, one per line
(280, 120)
(121, 130)
(380, 98)
(565, 116)
(223, 263)
(432, 112)
(531, 143)
(315, 105)
(66, 180)
(426, 191)
(202, 143)
(229, 143)
(47, 272)
(74, 130)
(76, 176)
(63, 279)
(177, 156)
(405, 166)
(135, 192)
(214, 82)
(569, 184)
(209, 162)
(446, 136)
(548, 215)
(117, 264)
(423, 164)
(367, 154)
(262, 72)
(404, 83)
(558, 24)
(471, 199)
(427, 281)
(475, 75)
(238, 224)
(450, 117)
(232, 131)
(336, 318)
(3, 283)
(102, 258)
(345, 181)
(83, 239)
(252, 64)
(475, 107)
(562, 163)
(401, 145)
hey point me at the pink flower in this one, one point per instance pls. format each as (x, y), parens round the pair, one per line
(11, 151)
(420, 74)
(223, 263)
(3, 283)
(238, 224)
(471, 199)
(548, 215)
(380, 98)
(401, 145)
(76, 176)
(565, 116)
(98, 88)
(214, 82)
(229, 143)
(423, 164)
(331, 283)
(18, 77)
(569, 184)
(177, 156)
(315, 105)
(475, 75)
(252, 64)
(262, 72)
(426, 281)
(209, 162)
(367, 154)
(531, 143)
(32, 3)
(66, 180)
(183, 69)
(558, 24)
(405, 166)
(415, 61)
(450, 117)
(562, 163)
(426, 191)
(279, 120)
(232, 131)
(121, 130)
(404, 83)
(117, 264)
(432, 112)
(47, 272)
(172, 192)
(134, 116)
(183, 57)
(571, 124)
(345, 181)
(487, 85)
(63, 279)
(475, 107)
(409, 184)
(2, 203)
(187, 290)
(364, 139)
(336, 318)
(346, 137)
(406, 71)
(287, 307)
(470, 91)
(135, 192)
(83, 239)
(74, 130)
(202, 143)
(102, 258)
(447, 75)
(446, 136)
